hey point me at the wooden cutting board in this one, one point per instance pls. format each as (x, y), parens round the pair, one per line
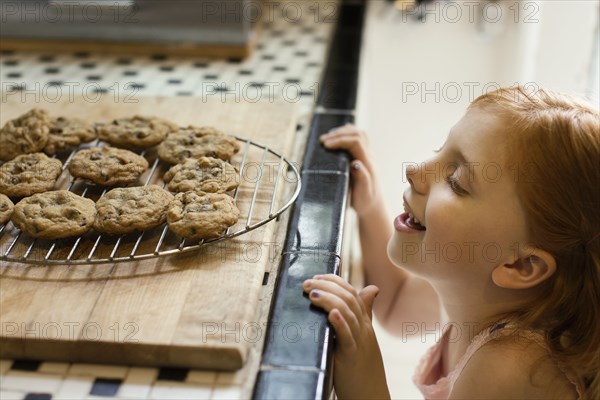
(196, 309)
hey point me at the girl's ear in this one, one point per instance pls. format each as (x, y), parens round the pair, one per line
(526, 272)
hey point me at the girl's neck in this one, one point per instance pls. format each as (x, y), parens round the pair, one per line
(468, 311)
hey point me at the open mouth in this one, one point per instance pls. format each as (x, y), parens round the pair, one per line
(412, 221)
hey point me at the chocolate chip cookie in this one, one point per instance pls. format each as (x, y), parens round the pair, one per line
(107, 166)
(206, 174)
(25, 134)
(125, 210)
(6, 209)
(28, 174)
(136, 132)
(54, 215)
(198, 215)
(65, 134)
(194, 142)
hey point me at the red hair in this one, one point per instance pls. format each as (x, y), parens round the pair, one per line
(554, 147)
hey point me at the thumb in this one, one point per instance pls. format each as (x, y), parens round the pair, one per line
(368, 295)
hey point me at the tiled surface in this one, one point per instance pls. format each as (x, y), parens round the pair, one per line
(288, 63)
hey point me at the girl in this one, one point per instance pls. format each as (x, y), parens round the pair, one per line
(502, 228)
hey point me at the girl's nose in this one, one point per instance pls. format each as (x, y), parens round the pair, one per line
(417, 179)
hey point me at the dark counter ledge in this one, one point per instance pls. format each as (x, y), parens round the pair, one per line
(297, 356)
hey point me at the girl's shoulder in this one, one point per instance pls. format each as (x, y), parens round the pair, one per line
(513, 365)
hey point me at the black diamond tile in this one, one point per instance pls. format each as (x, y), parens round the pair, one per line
(46, 58)
(245, 72)
(234, 60)
(130, 73)
(123, 61)
(174, 81)
(279, 68)
(211, 76)
(257, 84)
(7, 52)
(292, 80)
(288, 42)
(105, 387)
(16, 88)
(301, 53)
(88, 65)
(93, 77)
(81, 54)
(100, 90)
(137, 85)
(11, 63)
(14, 75)
(268, 57)
(200, 65)
(172, 374)
(25, 365)
(55, 83)
(52, 71)
(184, 93)
(38, 396)
(158, 57)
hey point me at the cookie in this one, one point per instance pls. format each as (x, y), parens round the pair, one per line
(25, 134)
(193, 142)
(65, 134)
(125, 210)
(54, 215)
(198, 215)
(29, 174)
(206, 174)
(107, 166)
(6, 209)
(136, 132)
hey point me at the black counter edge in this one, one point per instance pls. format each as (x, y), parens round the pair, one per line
(287, 369)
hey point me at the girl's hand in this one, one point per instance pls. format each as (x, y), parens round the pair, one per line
(358, 369)
(365, 196)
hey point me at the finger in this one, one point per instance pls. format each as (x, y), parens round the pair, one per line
(328, 302)
(350, 297)
(348, 128)
(342, 330)
(339, 280)
(367, 296)
(350, 143)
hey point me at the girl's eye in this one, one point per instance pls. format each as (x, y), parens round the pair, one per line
(455, 186)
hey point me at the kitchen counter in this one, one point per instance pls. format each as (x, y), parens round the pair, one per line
(291, 62)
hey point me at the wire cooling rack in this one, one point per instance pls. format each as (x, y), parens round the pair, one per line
(269, 184)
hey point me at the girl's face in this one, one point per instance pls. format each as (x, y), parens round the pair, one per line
(466, 202)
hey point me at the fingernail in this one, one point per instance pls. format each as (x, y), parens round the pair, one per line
(308, 283)
(317, 277)
(315, 293)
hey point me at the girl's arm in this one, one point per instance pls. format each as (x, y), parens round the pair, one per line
(358, 371)
(374, 223)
